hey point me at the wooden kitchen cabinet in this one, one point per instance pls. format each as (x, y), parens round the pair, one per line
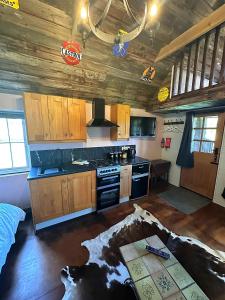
(77, 119)
(58, 118)
(125, 181)
(37, 118)
(61, 195)
(120, 114)
(49, 198)
(80, 188)
(54, 118)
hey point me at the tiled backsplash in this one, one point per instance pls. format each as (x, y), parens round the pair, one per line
(54, 158)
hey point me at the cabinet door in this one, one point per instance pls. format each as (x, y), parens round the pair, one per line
(36, 110)
(49, 198)
(120, 114)
(77, 119)
(125, 181)
(58, 118)
(127, 121)
(81, 187)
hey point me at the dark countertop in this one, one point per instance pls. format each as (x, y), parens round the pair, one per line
(71, 169)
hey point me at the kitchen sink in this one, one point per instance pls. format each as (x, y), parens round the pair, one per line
(47, 171)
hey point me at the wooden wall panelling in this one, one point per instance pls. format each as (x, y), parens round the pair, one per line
(36, 33)
(37, 119)
(24, 40)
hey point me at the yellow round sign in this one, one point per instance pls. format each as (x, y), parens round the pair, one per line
(163, 94)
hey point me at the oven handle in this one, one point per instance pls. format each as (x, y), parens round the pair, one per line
(113, 190)
(104, 175)
(110, 177)
(140, 175)
(107, 186)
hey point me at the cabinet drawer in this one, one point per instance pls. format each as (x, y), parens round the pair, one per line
(140, 169)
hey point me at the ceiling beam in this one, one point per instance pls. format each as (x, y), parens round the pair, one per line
(210, 96)
(213, 20)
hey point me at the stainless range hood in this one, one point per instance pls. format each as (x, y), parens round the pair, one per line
(98, 115)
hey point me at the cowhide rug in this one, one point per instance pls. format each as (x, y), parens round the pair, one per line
(104, 276)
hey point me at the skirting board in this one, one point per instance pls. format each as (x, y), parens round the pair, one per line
(63, 218)
(124, 199)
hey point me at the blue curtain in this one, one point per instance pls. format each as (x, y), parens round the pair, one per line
(185, 157)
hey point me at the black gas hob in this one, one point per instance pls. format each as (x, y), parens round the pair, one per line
(101, 163)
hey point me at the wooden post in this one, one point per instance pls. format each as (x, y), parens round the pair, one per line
(188, 69)
(195, 64)
(215, 47)
(222, 71)
(204, 60)
(181, 73)
(174, 77)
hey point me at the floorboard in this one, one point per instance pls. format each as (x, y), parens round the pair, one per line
(32, 270)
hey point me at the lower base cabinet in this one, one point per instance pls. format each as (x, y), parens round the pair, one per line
(54, 197)
(125, 181)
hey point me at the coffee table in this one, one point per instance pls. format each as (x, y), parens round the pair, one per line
(156, 278)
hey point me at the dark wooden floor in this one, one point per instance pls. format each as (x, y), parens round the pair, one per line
(32, 270)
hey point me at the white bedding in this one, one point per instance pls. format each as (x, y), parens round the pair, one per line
(10, 216)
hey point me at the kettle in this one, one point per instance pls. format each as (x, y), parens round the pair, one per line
(131, 153)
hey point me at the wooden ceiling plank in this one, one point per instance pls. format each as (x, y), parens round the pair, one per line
(214, 19)
(22, 20)
(45, 11)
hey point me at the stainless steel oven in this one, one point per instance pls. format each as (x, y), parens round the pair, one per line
(108, 187)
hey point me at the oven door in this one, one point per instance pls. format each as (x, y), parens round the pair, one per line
(108, 180)
(108, 197)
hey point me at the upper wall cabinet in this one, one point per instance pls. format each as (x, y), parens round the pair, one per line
(36, 110)
(77, 119)
(120, 114)
(58, 118)
(53, 118)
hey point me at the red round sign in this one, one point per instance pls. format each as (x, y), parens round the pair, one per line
(71, 52)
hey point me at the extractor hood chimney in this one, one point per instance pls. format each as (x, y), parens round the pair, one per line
(98, 115)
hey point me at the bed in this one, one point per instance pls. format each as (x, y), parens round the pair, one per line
(10, 216)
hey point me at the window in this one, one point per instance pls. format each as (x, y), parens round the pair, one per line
(13, 143)
(204, 133)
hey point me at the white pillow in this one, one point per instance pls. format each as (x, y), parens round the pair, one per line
(10, 216)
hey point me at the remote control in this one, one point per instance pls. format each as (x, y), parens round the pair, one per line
(157, 252)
